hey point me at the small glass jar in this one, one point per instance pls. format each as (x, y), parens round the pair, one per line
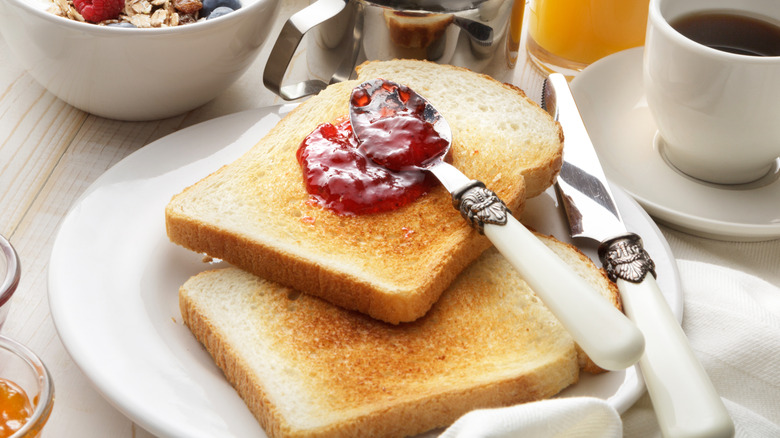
(22, 369)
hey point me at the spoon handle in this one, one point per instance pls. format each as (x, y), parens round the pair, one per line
(609, 338)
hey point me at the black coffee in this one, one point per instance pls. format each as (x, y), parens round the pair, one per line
(731, 33)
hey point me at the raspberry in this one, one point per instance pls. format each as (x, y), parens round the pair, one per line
(96, 11)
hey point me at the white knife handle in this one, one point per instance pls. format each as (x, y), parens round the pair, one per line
(683, 397)
(610, 339)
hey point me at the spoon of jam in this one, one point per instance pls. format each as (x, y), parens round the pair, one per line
(396, 127)
(399, 129)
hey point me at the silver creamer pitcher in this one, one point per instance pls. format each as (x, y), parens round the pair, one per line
(481, 35)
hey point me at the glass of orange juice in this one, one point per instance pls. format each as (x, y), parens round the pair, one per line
(566, 36)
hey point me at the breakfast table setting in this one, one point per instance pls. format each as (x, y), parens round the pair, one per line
(88, 298)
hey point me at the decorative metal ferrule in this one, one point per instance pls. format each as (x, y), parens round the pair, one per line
(625, 257)
(479, 206)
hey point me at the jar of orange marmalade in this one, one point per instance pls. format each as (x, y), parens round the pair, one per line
(26, 391)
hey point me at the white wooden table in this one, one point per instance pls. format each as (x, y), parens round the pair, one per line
(51, 152)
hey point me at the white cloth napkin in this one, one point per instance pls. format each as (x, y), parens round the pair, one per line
(732, 321)
(565, 417)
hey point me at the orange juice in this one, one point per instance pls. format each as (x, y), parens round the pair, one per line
(571, 34)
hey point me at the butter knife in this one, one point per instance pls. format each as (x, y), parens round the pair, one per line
(685, 402)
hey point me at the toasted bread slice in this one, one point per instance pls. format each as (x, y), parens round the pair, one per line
(306, 368)
(255, 214)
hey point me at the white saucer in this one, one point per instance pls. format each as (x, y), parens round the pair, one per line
(611, 98)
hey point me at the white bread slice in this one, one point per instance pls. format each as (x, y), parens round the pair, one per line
(306, 368)
(393, 266)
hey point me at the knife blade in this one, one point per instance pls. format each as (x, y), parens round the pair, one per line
(684, 399)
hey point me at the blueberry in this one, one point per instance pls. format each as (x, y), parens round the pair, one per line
(220, 11)
(122, 24)
(210, 6)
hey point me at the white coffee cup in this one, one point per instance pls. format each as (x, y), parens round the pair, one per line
(718, 113)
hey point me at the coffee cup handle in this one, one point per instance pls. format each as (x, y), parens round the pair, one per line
(289, 38)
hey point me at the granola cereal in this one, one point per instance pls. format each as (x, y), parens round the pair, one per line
(140, 13)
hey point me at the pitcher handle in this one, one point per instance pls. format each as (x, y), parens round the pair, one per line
(289, 38)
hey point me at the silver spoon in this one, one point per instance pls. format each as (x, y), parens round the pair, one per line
(609, 338)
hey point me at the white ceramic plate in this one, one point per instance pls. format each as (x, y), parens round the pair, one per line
(114, 278)
(610, 96)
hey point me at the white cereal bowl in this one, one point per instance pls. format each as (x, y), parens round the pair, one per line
(135, 74)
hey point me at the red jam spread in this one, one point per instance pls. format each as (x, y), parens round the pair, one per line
(382, 170)
(15, 408)
(343, 179)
